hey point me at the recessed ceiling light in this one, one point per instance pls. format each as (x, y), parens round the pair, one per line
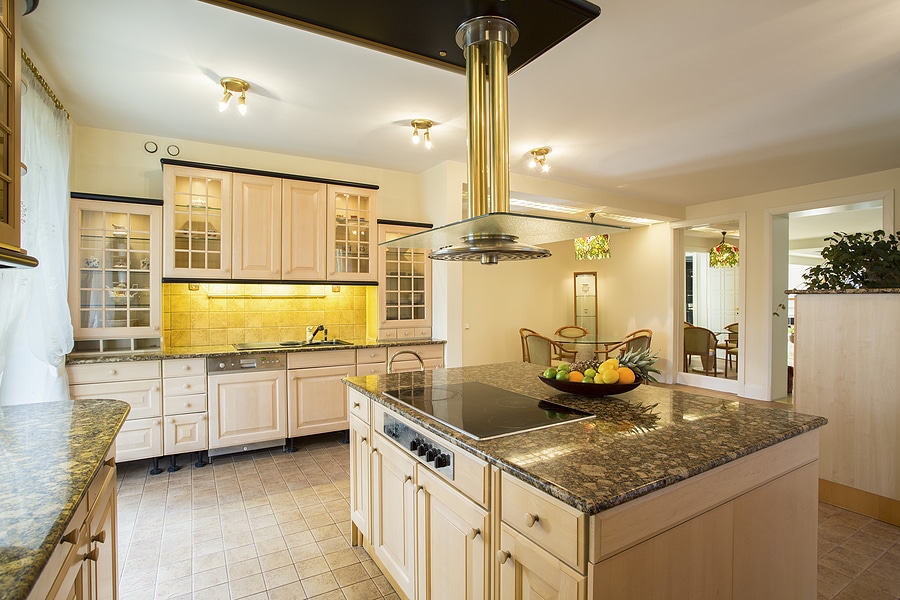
(545, 206)
(628, 219)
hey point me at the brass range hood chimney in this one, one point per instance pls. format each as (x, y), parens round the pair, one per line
(486, 43)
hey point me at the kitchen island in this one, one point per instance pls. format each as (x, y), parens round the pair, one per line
(658, 494)
(57, 480)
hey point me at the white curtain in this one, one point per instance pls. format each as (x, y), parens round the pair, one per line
(35, 327)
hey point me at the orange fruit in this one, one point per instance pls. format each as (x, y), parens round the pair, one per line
(576, 376)
(626, 375)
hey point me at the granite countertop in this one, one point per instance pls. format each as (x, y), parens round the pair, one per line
(50, 453)
(224, 350)
(638, 442)
(848, 291)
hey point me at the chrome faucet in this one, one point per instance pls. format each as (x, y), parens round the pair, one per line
(310, 333)
(416, 354)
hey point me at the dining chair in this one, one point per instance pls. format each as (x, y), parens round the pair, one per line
(541, 350)
(638, 339)
(572, 332)
(730, 342)
(523, 333)
(699, 341)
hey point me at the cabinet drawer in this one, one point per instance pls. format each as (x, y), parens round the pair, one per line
(423, 332)
(371, 355)
(359, 405)
(143, 396)
(321, 358)
(407, 333)
(371, 369)
(141, 438)
(182, 386)
(113, 371)
(426, 351)
(185, 433)
(387, 334)
(179, 405)
(545, 520)
(183, 367)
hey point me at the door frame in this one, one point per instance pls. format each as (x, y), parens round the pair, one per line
(676, 349)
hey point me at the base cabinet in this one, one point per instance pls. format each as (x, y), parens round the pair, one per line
(360, 483)
(317, 400)
(83, 565)
(246, 408)
(525, 570)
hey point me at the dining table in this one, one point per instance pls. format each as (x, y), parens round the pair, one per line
(587, 347)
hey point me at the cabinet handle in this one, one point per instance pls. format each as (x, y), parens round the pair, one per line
(156, 422)
(92, 555)
(186, 386)
(185, 368)
(187, 404)
(531, 519)
(112, 371)
(202, 417)
(171, 420)
(474, 533)
(419, 488)
(362, 439)
(100, 537)
(70, 538)
(356, 405)
(503, 556)
(407, 478)
(156, 388)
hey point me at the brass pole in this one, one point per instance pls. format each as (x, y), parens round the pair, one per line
(476, 128)
(498, 158)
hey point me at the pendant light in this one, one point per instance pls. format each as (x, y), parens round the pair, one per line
(723, 255)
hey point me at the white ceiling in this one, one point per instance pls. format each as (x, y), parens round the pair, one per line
(677, 102)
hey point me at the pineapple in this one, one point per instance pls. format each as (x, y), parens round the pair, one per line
(639, 361)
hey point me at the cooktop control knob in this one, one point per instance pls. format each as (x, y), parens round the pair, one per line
(431, 454)
(413, 444)
(423, 448)
(442, 461)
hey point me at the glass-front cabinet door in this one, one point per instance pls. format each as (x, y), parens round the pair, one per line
(351, 239)
(114, 281)
(404, 289)
(198, 222)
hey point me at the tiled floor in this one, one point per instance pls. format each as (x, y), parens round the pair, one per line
(269, 525)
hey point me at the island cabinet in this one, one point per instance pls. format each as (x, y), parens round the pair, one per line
(139, 384)
(741, 531)
(83, 563)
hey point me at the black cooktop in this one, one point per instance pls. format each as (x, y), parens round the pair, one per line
(483, 411)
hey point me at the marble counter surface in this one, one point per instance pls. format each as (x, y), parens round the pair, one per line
(50, 453)
(207, 351)
(638, 442)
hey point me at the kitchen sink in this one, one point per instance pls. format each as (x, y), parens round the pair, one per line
(285, 345)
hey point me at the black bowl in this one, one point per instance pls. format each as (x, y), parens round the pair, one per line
(597, 390)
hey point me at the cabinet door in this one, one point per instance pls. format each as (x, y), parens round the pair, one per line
(102, 557)
(527, 571)
(246, 408)
(404, 289)
(360, 488)
(351, 234)
(114, 283)
(185, 433)
(393, 513)
(317, 400)
(256, 225)
(10, 122)
(304, 209)
(197, 222)
(451, 547)
(73, 582)
(140, 438)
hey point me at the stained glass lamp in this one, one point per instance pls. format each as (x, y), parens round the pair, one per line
(724, 255)
(592, 248)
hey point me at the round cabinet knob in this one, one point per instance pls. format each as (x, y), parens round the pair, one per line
(407, 478)
(172, 421)
(356, 405)
(113, 372)
(221, 365)
(186, 386)
(187, 404)
(503, 556)
(531, 519)
(100, 537)
(474, 533)
(362, 439)
(185, 368)
(202, 417)
(92, 555)
(156, 422)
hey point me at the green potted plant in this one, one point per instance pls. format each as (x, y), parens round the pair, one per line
(857, 261)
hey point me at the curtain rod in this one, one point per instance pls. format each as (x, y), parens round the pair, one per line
(44, 84)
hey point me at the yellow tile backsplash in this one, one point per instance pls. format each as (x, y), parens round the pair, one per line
(218, 314)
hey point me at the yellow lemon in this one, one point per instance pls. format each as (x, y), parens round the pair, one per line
(609, 376)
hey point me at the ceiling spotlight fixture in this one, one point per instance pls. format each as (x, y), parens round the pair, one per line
(425, 125)
(539, 157)
(231, 86)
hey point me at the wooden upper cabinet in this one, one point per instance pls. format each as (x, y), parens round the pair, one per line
(304, 210)
(256, 223)
(351, 234)
(10, 128)
(197, 222)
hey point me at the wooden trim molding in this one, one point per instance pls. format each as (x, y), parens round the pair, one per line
(860, 501)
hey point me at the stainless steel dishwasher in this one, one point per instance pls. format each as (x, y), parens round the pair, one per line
(247, 402)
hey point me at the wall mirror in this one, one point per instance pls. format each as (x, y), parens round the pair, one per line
(586, 302)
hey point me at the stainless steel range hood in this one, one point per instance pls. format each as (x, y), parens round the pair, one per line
(493, 234)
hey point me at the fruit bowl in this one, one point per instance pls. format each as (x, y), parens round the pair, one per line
(596, 390)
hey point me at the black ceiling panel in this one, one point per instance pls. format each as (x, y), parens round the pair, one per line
(422, 29)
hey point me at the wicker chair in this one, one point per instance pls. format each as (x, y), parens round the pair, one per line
(699, 341)
(573, 332)
(541, 350)
(636, 340)
(523, 333)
